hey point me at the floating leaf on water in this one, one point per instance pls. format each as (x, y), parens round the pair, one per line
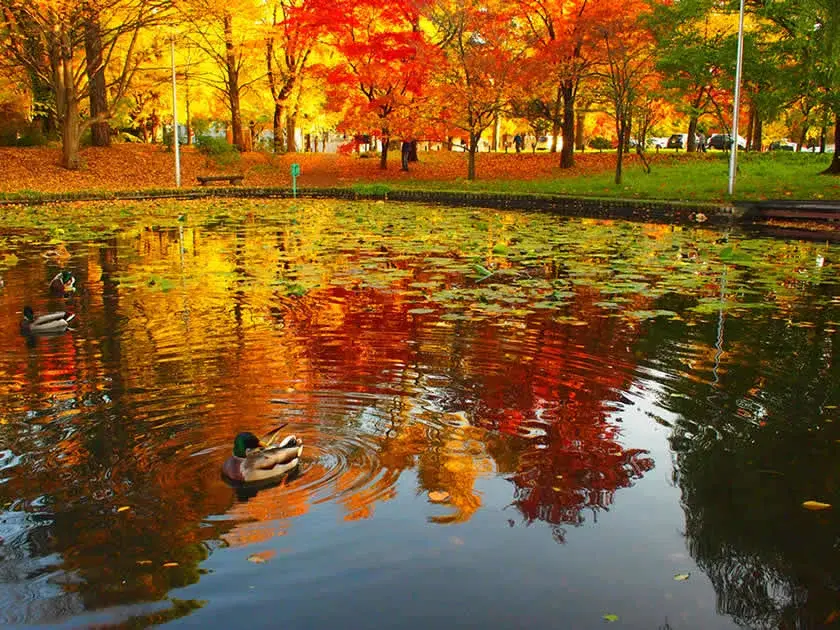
(261, 557)
(816, 505)
(170, 564)
(123, 508)
(143, 563)
(681, 577)
(438, 496)
(610, 617)
(421, 311)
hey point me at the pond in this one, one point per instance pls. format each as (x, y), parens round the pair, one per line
(509, 420)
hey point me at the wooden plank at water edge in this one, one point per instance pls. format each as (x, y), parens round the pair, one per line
(206, 179)
(798, 209)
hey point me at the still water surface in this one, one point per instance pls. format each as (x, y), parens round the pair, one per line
(511, 420)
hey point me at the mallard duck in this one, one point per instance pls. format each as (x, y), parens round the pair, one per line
(44, 324)
(252, 461)
(63, 284)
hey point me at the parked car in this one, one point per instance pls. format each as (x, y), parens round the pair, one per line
(680, 141)
(723, 141)
(657, 143)
(782, 145)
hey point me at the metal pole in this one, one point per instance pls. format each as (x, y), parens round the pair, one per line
(175, 120)
(733, 155)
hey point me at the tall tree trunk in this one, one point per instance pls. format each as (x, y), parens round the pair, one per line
(567, 153)
(70, 133)
(100, 129)
(834, 167)
(580, 143)
(233, 84)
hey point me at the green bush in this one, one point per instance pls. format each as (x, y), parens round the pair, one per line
(217, 149)
(600, 143)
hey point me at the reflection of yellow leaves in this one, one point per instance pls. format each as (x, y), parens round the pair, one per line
(816, 505)
(123, 508)
(170, 564)
(438, 496)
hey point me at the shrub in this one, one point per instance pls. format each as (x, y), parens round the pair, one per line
(600, 143)
(217, 149)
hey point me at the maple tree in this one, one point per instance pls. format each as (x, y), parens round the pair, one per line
(384, 66)
(484, 54)
(566, 50)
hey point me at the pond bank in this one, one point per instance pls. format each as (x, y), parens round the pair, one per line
(800, 218)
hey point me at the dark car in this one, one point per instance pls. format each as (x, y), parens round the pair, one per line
(723, 141)
(677, 141)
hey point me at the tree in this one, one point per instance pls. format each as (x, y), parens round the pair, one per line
(629, 61)
(229, 39)
(693, 42)
(566, 48)
(385, 65)
(289, 44)
(46, 37)
(484, 54)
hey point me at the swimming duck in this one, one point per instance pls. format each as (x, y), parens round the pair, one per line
(63, 284)
(44, 324)
(253, 461)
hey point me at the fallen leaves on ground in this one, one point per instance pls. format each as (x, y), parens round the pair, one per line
(139, 167)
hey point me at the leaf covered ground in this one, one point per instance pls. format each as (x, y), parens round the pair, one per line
(674, 176)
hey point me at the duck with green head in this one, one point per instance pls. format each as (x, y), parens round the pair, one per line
(254, 461)
(63, 284)
(51, 323)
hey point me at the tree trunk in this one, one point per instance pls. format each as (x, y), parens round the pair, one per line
(412, 154)
(556, 120)
(233, 85)
(803, 137)
(383, 157)
(749, 130)
(471, 158)
(70, 135)
(580, 143)
(278, 127)
(567, 153)
(291, 123)
(621, 132)
(100, 129)
(757, 140)
(691, 140)
(834, 167)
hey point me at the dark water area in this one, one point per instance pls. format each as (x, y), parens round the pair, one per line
(510, 420)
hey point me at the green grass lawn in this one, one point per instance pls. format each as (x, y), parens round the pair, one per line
(778, 175)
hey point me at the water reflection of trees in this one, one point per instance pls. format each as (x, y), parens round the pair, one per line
(757, 435)
(136, 409)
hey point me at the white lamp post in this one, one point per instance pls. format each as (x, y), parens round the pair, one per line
(175, 119)
(738, 68)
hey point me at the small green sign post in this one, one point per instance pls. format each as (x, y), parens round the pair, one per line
(295, 173)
